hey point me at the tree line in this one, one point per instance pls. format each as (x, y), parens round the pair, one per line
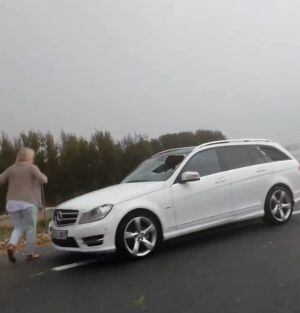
(76, 165)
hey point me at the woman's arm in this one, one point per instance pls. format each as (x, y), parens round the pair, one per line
(39, 176)
(4, 177)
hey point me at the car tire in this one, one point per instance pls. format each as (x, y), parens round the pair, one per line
(139, 235)
(279, 206)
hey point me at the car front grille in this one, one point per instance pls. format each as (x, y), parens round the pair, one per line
(65, 217)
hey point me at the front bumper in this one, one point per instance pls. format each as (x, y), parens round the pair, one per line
(97, 236)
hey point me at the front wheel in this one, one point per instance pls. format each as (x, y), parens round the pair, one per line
(138, 235)
(279, 206)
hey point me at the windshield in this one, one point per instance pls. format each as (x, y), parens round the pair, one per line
(159, 167)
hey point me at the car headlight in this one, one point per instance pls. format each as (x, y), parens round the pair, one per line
(95, 214)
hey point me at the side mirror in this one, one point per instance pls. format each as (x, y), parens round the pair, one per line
(189, 176)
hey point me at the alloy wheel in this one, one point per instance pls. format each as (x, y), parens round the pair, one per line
(140, 236)
(281, 205)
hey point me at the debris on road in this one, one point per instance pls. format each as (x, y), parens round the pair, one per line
(43, 240)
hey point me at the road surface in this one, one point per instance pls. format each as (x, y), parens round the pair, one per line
(249, 268)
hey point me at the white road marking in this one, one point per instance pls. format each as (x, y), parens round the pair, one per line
(72, 265)
(296, 213)
(37, 274)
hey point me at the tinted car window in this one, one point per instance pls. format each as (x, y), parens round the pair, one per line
(234, 157)
(256, 155)
(274, 154)
(205, 163)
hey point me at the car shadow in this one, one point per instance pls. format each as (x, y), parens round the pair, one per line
(216, 234)
(169, 248)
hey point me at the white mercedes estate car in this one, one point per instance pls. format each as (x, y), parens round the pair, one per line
(180, 191)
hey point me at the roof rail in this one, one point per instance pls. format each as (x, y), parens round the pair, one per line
(210, 144)
(175, 149)
(233, 141)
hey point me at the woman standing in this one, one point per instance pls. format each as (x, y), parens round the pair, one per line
(23, 201)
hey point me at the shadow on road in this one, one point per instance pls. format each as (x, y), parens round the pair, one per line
(170, 249)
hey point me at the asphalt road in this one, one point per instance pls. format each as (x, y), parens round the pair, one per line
(248, 267)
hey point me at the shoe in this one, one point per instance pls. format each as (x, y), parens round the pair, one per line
(11, 253)
(32, 257)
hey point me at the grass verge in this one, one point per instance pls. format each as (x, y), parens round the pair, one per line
(42, 236)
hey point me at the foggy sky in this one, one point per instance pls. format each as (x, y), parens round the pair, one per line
(151, 66)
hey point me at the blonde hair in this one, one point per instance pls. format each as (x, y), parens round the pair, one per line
(25, 155)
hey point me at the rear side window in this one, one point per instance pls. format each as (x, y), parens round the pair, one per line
(205, 163)
(256, 155)
(234, 157)
(274, 154)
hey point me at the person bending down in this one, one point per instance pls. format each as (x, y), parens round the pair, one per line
(23, 201)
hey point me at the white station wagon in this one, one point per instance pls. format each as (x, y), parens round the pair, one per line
(181, 191)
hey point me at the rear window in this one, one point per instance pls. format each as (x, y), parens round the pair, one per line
(274, 154)
(256, 155)
(234, 157)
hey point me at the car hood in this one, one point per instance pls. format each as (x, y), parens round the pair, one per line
(111, 195)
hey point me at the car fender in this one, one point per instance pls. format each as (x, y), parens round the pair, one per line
(159, 203)
(281, 180)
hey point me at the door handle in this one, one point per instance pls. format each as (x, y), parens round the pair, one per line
(220, 181)
(262, 170)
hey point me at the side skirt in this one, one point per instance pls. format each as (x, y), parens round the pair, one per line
(212, 223)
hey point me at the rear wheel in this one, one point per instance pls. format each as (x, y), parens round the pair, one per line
(279, 206)
(138, 235)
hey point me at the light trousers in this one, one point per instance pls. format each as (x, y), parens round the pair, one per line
(25, 221)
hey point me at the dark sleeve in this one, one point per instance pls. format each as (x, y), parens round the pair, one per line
(4, 177)
(38, 175)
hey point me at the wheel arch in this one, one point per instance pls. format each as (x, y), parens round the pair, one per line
(283, 185)
(142, 210)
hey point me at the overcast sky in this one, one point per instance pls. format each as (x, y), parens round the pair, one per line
(151, 66)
